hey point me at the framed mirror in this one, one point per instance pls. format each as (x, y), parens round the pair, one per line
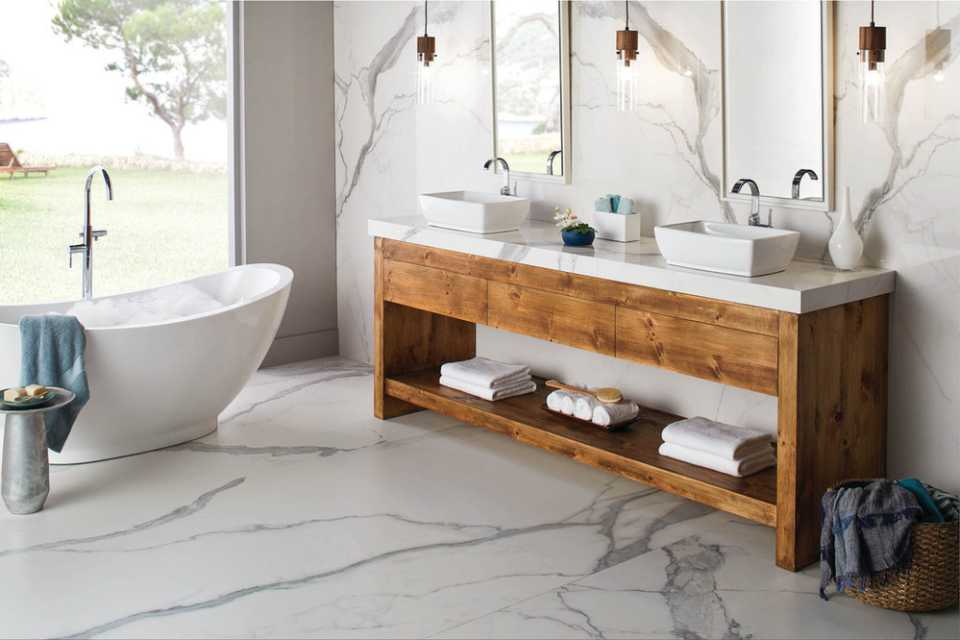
(778, 101)
(530, 47)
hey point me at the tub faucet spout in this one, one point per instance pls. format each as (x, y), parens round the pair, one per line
(88, 235)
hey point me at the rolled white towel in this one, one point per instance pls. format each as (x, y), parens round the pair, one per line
(583, 406)
(567, 405)
(484, 372)
(717, 438)
(555, 400)
(610, 415)
(738, 468)
(486, 392)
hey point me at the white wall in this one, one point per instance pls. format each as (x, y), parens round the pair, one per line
(288, 172)
(668, 157)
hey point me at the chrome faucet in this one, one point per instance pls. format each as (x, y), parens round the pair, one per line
(798, 177)
(88, 235)
(553, 155)
(754, 220)
(505, 190)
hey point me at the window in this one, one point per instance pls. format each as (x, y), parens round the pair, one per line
(149, 105)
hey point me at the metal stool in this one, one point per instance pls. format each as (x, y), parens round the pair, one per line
(26, 467)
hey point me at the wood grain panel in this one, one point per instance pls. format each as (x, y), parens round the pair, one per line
(553, 317)
(449, 294)
(728, 356)
(832, 414)
(407, 339)
(700, 309)
(631, 452)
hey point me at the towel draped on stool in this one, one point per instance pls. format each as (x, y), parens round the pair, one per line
(51, 354)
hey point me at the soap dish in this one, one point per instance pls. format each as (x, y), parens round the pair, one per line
(614, 427)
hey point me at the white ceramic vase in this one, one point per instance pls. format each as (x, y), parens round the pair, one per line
(846, 246)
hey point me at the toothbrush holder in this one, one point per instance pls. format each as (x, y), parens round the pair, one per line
(617, 226)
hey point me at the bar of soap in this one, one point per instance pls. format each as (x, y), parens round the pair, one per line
(14, 393)
(35, 390)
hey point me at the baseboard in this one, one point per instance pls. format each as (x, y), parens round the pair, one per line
(304, 346)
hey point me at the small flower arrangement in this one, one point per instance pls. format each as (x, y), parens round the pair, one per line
(575, 232)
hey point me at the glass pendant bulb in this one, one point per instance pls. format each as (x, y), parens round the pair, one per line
(628, 86)
(873, 82)
(424, 83)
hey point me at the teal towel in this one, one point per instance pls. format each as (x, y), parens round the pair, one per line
(52, 349)
(931, 513)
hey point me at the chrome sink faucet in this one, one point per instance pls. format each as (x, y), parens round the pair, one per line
(798, 177)
(505, 190)
(754, 220)
(88, 234)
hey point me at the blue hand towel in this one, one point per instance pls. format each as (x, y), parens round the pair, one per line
(931, 513)
(52, 349)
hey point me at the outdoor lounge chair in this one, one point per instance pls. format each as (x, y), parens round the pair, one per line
(9, 163)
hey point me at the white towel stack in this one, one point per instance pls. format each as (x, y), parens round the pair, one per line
(586, 407)
(735, 451)
(487, 379)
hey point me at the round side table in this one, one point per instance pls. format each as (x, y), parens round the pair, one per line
(26, 467)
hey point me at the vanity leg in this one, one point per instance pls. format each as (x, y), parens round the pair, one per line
(408, 339)
(832, 415)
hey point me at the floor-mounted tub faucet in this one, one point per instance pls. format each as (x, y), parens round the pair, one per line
(88, 235)
(754, 220)
(505, 189)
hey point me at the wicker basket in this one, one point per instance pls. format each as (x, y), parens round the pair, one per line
(931, 582)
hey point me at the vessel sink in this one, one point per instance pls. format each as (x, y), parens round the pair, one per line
(727, 248)
(474, 211)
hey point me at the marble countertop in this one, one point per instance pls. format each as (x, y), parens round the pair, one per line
(803, 287)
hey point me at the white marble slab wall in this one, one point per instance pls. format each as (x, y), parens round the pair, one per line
(668, 157)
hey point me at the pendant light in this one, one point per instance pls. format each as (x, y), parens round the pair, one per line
(628, 76)
(426, 52)
(938, 48)
(873, 44)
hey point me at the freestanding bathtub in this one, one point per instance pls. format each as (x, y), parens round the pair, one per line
(160, 384)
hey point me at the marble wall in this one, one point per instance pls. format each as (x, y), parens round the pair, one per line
(668, 157)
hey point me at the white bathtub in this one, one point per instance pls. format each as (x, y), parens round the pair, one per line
(156, 385)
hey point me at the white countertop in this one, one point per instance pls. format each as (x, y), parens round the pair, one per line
(804, 286)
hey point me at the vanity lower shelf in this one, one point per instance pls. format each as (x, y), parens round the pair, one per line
(631, 452)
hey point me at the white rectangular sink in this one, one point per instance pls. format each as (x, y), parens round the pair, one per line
(736, 249)
(474, 211)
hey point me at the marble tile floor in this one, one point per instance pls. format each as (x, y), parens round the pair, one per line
(304, 516)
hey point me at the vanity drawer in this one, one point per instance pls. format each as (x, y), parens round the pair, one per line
(449, 294)
(729, 356)
(553, 317)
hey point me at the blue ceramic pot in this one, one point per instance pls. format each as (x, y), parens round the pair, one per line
(574, 239)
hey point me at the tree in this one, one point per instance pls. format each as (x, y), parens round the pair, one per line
(173, 52)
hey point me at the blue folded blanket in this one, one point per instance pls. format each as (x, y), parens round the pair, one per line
(52, 348)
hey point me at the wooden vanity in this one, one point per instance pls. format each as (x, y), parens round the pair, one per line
(826, 366)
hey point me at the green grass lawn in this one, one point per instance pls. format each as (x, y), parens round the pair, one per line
(163, 226)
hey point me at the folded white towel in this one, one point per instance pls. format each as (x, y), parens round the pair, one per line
(739, 468)
(505, 383)
(483, 372)
(717, 438)
(486, 392)
(611, 415)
